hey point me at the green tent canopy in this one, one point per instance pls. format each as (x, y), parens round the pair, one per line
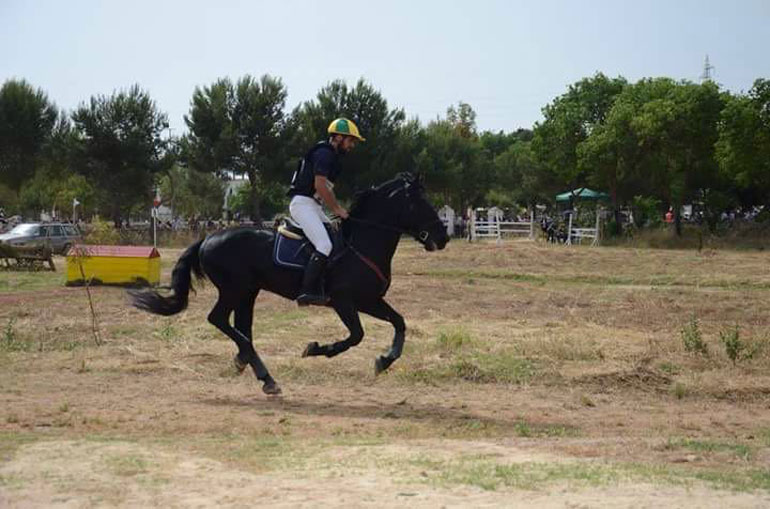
(583, 193)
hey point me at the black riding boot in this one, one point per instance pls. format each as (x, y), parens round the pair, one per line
(311, 292)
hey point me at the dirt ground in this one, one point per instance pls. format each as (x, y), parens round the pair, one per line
(533, 376)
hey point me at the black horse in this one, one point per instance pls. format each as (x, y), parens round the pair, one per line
(240, 263)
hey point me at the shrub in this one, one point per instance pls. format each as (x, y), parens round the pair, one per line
(102, 232)
(734, 346)
(692, 338)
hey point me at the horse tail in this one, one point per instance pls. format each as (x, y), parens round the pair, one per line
(181, 284)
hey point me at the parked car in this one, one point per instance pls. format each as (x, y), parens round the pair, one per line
(58, 236)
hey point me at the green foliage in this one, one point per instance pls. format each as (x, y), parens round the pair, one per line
(477, 367)
(454, 164)
(27, 121)
(647, 211)
(679, 390)
(692, 338)
(453, 340)
(743, 148)
(101, 232)
(117, 146)
(734, 346)
(652, 144)
(738, 349)
(708, 446)
(9, 200)
(52, 190)
(10, 342)
(238, 128)
(191, 193)
(272, 199)
(569, 120)
(391, 144)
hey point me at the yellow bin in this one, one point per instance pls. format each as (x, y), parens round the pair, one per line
(113, 265)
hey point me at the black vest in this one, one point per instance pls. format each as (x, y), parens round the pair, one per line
(322, 159)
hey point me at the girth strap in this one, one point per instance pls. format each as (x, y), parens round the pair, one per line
(369, 263)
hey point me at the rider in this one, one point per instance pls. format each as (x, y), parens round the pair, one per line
(311, 186)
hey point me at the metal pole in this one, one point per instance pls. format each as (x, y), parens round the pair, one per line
(532, 223)
(154, 227)
(598, 229)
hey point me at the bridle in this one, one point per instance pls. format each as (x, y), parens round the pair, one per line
(420, 233)
(422, 236)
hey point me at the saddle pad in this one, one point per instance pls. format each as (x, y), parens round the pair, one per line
(292, 253)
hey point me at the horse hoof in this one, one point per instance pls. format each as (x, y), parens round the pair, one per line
(378, 366)
(239, 366)
(311, 349)
(271, 389)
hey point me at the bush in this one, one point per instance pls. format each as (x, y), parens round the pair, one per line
(731, 338)
(646, 211)
(102, 233)
(736, 348)
(692, 338)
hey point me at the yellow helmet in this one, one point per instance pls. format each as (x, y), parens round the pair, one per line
(345, 127)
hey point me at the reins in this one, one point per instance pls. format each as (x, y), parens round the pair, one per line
(422, 236)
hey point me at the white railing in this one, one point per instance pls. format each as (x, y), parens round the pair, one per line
(517, 228)
(578, 235)
(496, 229)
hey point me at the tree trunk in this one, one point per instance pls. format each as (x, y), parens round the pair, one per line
(254, 198)
(678, 219)
(615, 205)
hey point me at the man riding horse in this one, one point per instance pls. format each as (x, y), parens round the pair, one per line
(242, 262)
(311, 186)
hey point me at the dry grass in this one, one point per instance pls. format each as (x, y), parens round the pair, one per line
(574, 353)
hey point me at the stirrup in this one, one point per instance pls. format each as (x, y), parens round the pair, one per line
(307, 299)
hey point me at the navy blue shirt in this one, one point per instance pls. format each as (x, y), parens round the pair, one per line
(322, 160)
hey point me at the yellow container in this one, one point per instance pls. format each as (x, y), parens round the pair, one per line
(113, 265)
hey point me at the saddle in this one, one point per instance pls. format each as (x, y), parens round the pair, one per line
(293, 249)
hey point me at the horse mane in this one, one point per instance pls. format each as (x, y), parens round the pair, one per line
(361, 198)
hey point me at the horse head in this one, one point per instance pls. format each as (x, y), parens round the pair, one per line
(401, 205)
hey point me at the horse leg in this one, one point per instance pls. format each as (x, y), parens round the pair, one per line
(244, 318)
(349, 316)
(382, 310)
(220, 318)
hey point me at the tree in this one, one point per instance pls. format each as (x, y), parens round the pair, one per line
(679, 131)
(454, 162)
(27, 120)
(272, 198)
(118, 147)
(191, 193)
(610, 154)
(50, 190)
(238, 129)
(520, 177)
(569, 120)
(463, 119)
(743, 146)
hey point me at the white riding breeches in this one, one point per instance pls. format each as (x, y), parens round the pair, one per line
(309, 215)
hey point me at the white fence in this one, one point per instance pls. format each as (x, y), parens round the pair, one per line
(495, 228)
(577, 235)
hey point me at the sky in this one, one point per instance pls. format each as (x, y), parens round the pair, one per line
(507, 59)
